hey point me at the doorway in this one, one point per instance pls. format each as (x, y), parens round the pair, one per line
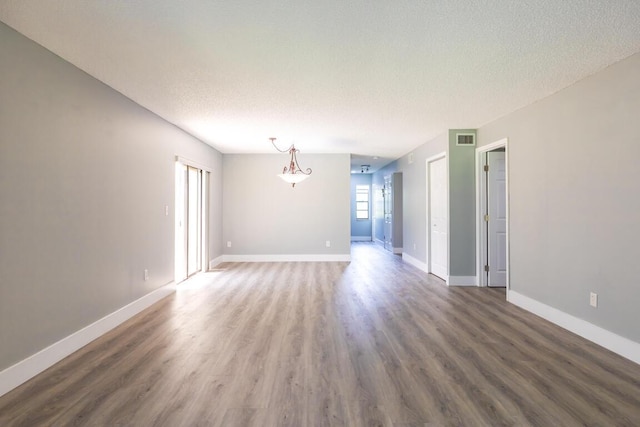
(190, 226)
(387, 195)
(493, 208)
(438, 216)
(392, 204)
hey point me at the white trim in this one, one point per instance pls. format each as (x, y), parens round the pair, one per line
(214, 262)
(480, 201)
(480, 204)
(397, 251)
(415, 262)
(380, 242)
(193, 163)
(462, 281)
(360, 238)
(492, 146)
(619, 345)
(28, 368)
(288, 258)
(437, 157)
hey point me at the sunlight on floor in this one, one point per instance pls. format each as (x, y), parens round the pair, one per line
(198, 281)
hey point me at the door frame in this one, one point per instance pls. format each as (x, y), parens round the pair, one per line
(481, 237)
(435, 158)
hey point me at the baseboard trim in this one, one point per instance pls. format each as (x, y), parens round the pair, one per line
(462, 281)
(214, 262)
(289, 258)
(380, 242)
(360, 238)
(609, 340)
(415, 262)
(397, 251)
(28, 368)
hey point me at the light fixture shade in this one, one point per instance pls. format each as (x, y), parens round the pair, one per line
(293, 178)
(292, 174)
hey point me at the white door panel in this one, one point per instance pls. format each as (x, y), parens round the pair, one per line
(497, 210)
(438, 221)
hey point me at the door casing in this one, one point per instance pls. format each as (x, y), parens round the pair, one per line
(481, 237)
(495, 228)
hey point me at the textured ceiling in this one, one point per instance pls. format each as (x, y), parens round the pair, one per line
(372, 78)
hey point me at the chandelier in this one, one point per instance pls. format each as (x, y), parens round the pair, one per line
(292, 174)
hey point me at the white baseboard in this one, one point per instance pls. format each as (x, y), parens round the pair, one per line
(462, 281)
(214, 262)
(288, 258)
(28, 368)
(380, 242)
(415, 262)
(360, 238)
(620, 345)
(397, 251)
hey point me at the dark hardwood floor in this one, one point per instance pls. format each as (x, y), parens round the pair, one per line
(374, 342)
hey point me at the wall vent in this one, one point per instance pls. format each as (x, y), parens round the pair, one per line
(467, 139)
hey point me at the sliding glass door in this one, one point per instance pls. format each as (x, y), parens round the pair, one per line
(190, 224)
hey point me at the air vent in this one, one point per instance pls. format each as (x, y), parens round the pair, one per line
(465, 139)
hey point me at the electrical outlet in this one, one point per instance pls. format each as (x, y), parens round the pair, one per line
(593, 299)
(146, 275)
(328, 243)
(229, 243)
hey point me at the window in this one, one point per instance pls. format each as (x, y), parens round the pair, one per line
(362, 202)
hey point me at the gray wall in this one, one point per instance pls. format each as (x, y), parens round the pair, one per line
(85, 175)
(462, 199)
(574, 189)
(574, 198)
(360, 227)
(462, 206)
(414, 208)
(263, 215)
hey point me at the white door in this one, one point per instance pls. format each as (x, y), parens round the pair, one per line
(438, 219)
(497, 224)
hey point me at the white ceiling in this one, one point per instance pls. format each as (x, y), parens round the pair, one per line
(372, 78)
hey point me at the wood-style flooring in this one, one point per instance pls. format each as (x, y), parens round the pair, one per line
(374, 342)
